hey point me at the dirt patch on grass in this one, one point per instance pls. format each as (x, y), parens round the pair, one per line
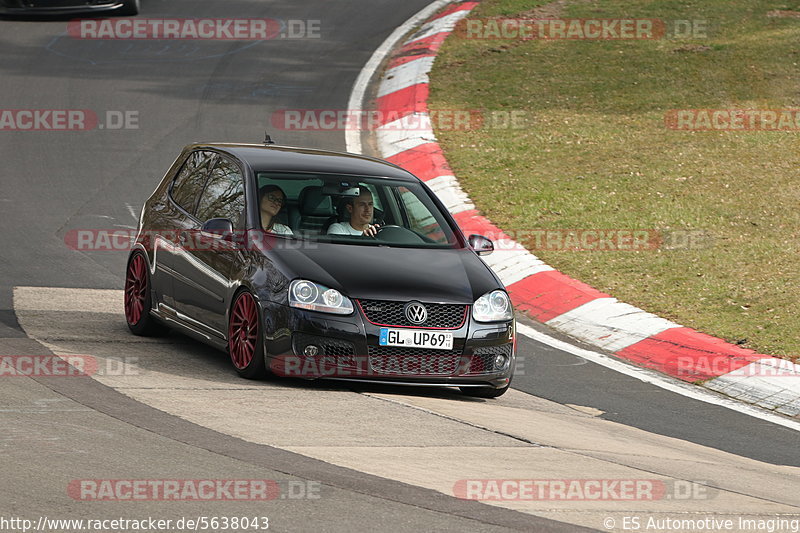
(783, 13)
(692, 48)
(552, 10)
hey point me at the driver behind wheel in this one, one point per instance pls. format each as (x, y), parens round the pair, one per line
(361, 210)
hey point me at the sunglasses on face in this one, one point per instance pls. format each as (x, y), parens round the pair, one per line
(274, 199)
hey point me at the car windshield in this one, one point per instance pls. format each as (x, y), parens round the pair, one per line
(337, 209)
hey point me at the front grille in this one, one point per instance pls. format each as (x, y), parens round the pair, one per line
(483, 358)
(388, 313)
(413, 361)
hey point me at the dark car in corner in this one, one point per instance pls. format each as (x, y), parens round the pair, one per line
(69, 7)
(411, 304)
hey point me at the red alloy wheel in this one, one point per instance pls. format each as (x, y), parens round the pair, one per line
(243, 331)
(135, 289)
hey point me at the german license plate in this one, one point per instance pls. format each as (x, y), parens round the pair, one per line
(416, 338)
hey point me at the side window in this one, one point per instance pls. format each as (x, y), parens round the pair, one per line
(375, 196)
(189, 182)
(223, 196)
(420, 218)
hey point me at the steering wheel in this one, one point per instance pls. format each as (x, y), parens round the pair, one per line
(398, 235)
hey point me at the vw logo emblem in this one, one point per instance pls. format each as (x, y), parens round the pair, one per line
(416, 312)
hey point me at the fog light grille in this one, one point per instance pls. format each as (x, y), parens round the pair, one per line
(483, 358)
(337, 348)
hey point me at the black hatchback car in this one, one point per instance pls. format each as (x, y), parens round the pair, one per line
(319, 264)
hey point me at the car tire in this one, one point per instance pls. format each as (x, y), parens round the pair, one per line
(129, 8)
(246, 337)
(484, 392)
(138, 298)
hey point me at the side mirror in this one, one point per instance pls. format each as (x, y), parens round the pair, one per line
(482, 245)
(221, 227)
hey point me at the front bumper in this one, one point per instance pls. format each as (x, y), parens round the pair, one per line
(349, 350)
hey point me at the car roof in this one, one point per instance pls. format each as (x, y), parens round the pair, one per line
(276, 158)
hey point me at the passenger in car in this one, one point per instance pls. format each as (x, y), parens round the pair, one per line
(271, 201)
(361, 210)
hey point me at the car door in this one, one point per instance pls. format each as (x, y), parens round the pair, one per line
(176, 216)
(205, 260)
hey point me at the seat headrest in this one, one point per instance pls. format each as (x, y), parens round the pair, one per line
(314, 203)
(341, 209)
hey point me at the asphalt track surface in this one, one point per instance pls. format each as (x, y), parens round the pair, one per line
(225, 91)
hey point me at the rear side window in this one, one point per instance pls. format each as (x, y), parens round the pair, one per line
(188, 184)
(223, 196)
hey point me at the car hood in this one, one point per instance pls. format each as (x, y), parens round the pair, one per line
(383, 273)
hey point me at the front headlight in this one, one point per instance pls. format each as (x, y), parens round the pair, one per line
(315, 297)
(492, 307)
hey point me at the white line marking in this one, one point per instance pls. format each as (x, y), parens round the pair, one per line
(654, 378)
(770, 383)
(132, 211)
(356, 101)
